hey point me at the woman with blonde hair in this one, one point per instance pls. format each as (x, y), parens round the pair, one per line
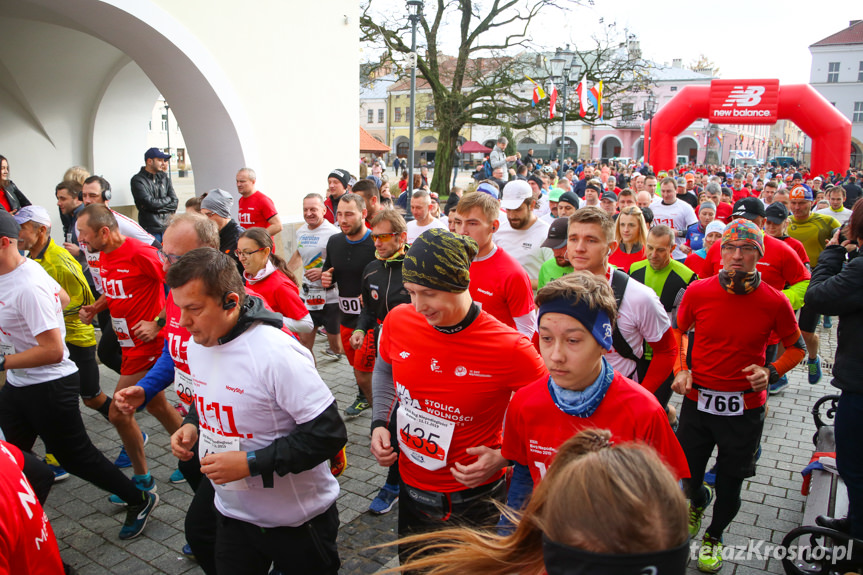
(600, 509)
(630, 231)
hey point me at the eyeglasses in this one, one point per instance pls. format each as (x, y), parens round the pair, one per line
(242, 254)
(743, 249)
(169, 258)
(382, 237)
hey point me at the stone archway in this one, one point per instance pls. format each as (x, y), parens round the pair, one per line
(610, 147)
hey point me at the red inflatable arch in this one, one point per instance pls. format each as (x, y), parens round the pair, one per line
(752, 102)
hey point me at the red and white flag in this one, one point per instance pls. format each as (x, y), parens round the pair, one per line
(552, 97)
(582, 96)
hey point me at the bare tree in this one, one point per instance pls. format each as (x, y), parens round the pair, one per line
(482, 83)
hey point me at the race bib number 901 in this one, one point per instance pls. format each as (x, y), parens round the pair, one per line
(424, 438)
(350, 305)
(720, 402)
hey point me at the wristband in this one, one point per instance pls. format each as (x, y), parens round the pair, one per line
(378, 423)
(160, 321)
(253, 464)
(362, 331)
(774, 375)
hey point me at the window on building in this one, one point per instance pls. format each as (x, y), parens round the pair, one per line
(371, 116)
(858, 112)
(626, 110)
(674, 88)
(430, 113)
(398, 115)
(860, 73)
(833, 73)
(381, 116)
(164, 122)
(407, 113)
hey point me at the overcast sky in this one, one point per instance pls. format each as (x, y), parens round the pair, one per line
(744, 38)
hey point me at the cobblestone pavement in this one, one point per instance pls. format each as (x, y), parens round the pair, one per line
(87, 525)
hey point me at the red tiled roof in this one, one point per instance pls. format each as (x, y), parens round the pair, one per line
(368, 143)
(853, 34)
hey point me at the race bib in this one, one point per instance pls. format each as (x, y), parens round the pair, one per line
(183, 386)
(424, 438)
(124, 335)
(720, 402)
(350, 305)
(315, 298)
(209, 442)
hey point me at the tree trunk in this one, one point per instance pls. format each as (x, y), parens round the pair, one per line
(446, 146)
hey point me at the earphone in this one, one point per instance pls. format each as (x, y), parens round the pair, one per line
(228, 304)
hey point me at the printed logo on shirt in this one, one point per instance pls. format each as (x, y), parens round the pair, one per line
(405, 396)
(488, 293)
(374, 294)
(122, 271)
(404, 355)
(239, 390)
(527, 245)
(435, 366)
(461, 371)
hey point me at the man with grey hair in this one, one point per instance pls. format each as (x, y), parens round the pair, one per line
(723, 209)
(498, 157)
(255, 210)
(423, 218)
(216, 205)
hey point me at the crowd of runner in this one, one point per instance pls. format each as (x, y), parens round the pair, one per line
(551, 313)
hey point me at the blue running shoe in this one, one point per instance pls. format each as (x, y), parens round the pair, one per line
(123, 460)
(142, 482)
(177, 477)
(815, 370)
(828, 322)
(710, 476)
(187, 552)
(60, 474)
(387, 497)
(137, 516)
(778, 386)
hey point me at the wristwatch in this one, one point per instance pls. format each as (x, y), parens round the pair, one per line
(253, 464)
(160, 321)
(2, 362)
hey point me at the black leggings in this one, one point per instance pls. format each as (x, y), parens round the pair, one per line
(110, 353)
(50, 410)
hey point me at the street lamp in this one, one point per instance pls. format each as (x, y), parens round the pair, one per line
(565, 68)
(168, 132)
(650, 110)
(415, 8)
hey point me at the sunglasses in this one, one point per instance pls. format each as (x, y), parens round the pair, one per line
(383, 237)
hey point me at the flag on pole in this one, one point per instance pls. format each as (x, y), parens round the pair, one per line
(596, 98)
(538, 92)
(552, 98)
(582, 96)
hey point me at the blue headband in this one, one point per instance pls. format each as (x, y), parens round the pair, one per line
(595, 320)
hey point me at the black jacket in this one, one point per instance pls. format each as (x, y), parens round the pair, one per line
(14, 196)
(155, 199)
(383, 289)
(310, 443)
(834, 290)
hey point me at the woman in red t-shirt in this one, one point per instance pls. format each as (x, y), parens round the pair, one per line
(631, 234)
(403, 182)
(267, 275)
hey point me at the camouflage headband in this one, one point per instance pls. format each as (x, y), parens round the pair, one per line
(440, 260)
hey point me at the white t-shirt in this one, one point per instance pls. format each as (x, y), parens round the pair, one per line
(253, 390)
(843, 216)
(641, 317)
(414, 229)
(542, 206)
(129, 228)
(312, 246)
(677, 216)
(525, 245)
(30, 305)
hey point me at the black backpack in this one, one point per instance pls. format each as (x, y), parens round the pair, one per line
(618, 285)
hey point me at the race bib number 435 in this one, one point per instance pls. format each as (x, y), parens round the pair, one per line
(424, 438)
(720, 402)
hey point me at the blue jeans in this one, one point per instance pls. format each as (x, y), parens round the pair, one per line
(849, 455)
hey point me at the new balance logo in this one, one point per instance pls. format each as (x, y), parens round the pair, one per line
(744, 96)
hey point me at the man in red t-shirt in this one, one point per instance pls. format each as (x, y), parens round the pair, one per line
(451, 369)
(132, 288)
(576, 313)
(733, 315)
(499, 284)
(255, 210)
(27, 542)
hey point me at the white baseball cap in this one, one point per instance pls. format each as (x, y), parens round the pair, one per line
(514, 194)
(36, 214)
